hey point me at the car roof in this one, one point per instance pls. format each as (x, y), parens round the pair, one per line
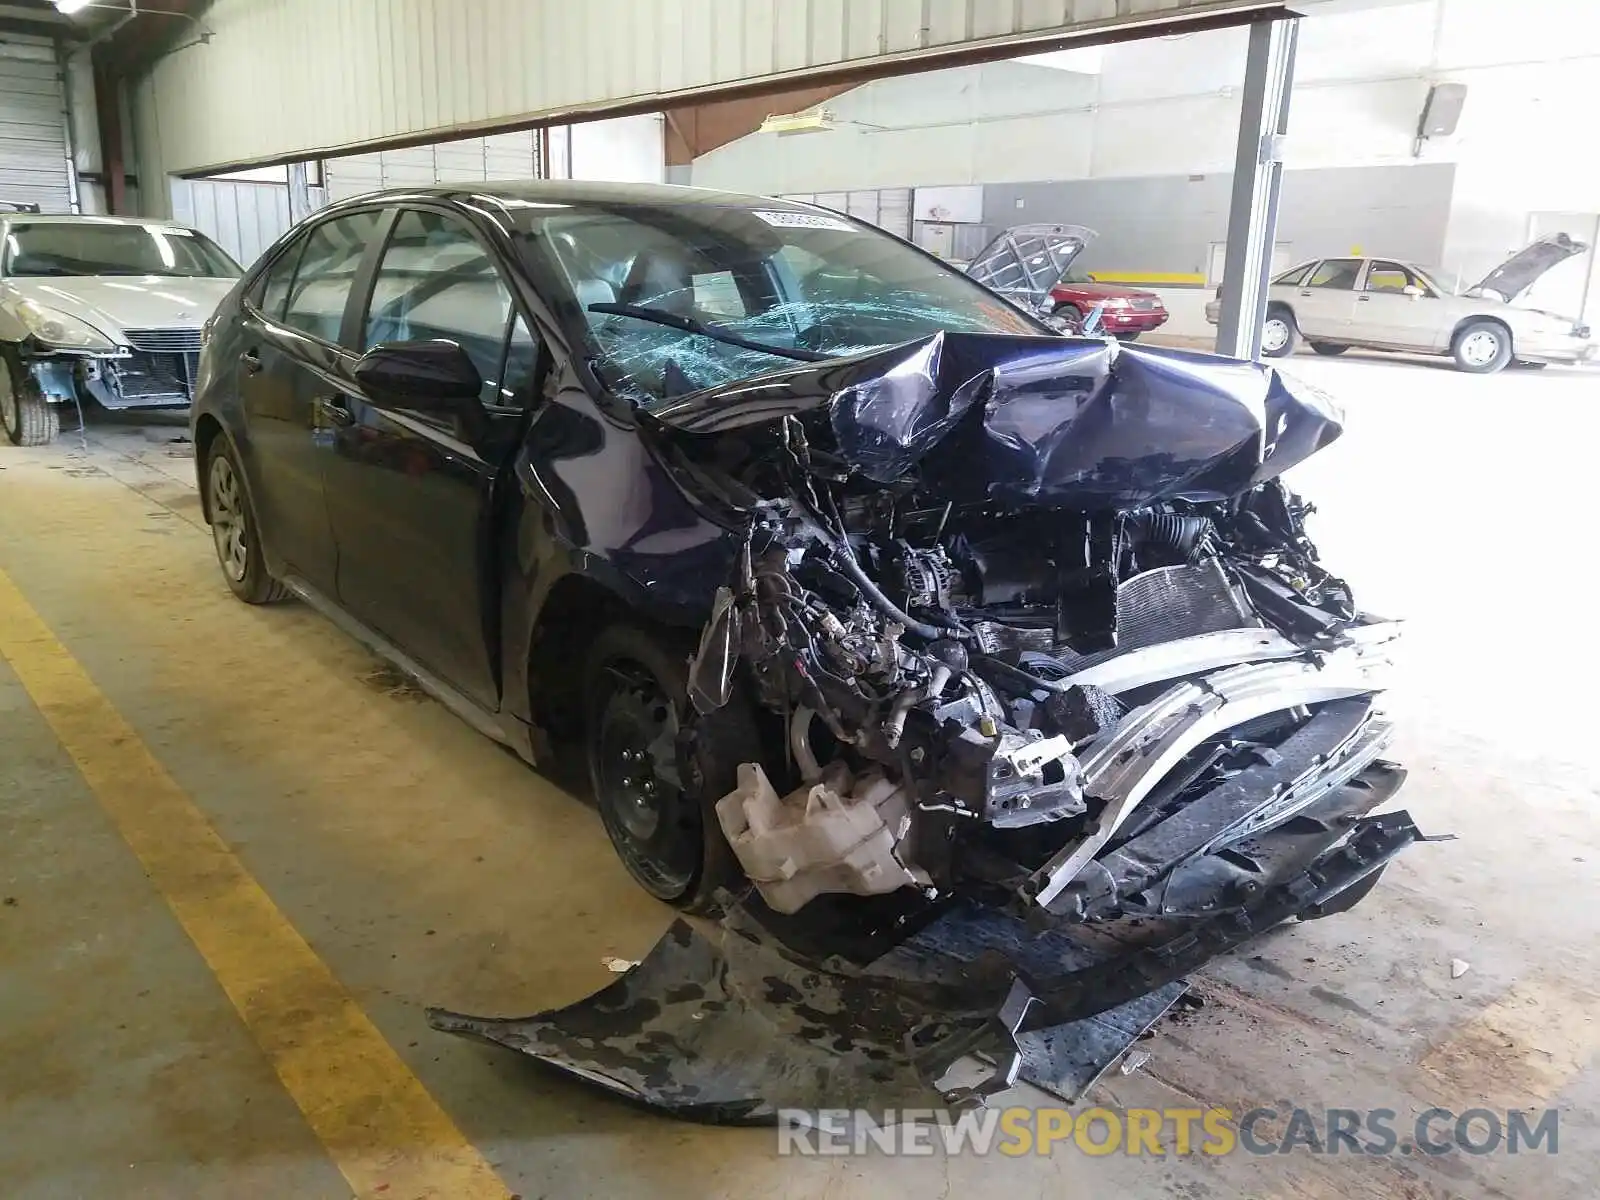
(578, 191)
(27, 218)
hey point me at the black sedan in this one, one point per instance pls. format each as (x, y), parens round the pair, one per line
(863, 594)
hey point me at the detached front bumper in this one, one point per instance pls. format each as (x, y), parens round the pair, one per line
(729, 1027)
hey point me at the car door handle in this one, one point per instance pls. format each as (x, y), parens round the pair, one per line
(1362, 299)
(1307, 292)
(336, 413)
(251, 360)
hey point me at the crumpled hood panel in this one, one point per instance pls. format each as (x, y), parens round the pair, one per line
(1075, 422)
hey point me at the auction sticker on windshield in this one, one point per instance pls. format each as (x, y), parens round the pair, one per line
(800, 220)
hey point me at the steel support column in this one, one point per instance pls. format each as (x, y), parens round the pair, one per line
(1257, 177)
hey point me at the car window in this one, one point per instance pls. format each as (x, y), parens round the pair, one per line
(798, 284)
(327, 269)
(271, 291)
(1337, 273)
(1296, 276)
(1388, 277)
(436, 281)
(96, 247)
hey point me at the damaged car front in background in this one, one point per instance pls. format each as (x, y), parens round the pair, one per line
(1065, 705)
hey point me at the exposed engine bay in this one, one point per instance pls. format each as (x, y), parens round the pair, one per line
(1048, 647)
(945, 650)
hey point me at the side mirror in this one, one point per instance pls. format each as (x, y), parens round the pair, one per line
(425, 375)
(1413, 291)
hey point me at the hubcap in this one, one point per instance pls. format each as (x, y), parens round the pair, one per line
(228, 523)
(1274, 334)
(1480, 347)
(654, 825)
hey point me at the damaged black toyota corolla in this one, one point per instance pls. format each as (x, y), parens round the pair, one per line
(983, 681)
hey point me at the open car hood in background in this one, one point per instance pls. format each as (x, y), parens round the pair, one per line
(1026, 261)
(1519, 272)
(1060, 422)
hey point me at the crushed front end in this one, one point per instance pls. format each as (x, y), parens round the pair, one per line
(1069, 706)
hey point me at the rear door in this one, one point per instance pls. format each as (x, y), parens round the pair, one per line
(290, 365)
(411, 494)
(1387, 314)
(1324, 305)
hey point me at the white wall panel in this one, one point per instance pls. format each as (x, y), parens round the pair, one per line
(302, 78)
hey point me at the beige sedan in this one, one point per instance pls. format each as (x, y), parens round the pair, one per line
(1387, 304)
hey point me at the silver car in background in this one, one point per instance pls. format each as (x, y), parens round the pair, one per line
(108, 309)
(1389, 304)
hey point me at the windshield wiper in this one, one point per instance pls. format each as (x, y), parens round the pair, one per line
(716, 333)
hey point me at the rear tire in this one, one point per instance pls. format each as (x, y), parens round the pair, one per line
(1481, 347)
(657, 769)
(28, 418)
(1278, 333)
(234, 531)
(1128, 337)
(1331, 349)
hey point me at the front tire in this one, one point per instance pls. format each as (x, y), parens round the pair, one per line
(1331, 349)
(27, 417)
(234, 531)
(1278, 333)
(1067, 320)
(1481, 347)
(655, 786)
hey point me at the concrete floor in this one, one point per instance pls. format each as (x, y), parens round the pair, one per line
(424, 865)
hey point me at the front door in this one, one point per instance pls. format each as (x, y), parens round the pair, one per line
(411, 494)
(1324, 306)
(1395, 307)
(289, 362)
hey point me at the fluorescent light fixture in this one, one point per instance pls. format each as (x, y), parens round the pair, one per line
(804, 122)
(71, 6)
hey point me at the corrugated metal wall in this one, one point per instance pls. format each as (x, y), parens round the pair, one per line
(499, 156)
(33, 125)
(243, 218)
(282, 78)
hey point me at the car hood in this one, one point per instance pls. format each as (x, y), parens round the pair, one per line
(115, 304)
(1519, 272)
(1026, 261)
(1102, 291)
(1032, 421)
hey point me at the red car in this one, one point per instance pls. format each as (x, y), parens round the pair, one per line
(1031, 265)
(1125, 312)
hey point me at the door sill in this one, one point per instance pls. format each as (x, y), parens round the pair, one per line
(491, 725)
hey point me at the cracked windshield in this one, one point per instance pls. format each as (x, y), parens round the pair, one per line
(694, 296)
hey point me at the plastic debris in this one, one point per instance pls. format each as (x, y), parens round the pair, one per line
(1134, 1060)
(619, 966)
(1459, 967)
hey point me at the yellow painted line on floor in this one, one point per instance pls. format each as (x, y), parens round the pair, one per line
(1519, 1052)
(1155, 278)
(385, 1133)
